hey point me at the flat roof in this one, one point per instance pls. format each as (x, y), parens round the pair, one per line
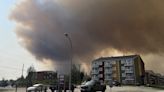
(116, 57)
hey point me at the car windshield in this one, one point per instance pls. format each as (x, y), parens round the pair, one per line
(91, 82)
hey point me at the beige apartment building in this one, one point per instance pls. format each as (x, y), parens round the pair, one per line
(127, 70)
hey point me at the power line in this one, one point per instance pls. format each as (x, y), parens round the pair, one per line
(12, 55)
(12, 58)
(11, 68)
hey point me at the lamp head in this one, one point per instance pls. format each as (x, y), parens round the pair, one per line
(66, 34)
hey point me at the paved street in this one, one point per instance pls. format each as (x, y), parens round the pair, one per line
(114, 89)
(133, 89)
(129, 89)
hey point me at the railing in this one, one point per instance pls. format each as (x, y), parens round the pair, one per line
(108, 72)
(108, 65)
(128, 64)
(95, 65)
(129, 78)
(95, 72)
(129, 71)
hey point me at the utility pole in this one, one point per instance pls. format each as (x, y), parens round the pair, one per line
(22, 70)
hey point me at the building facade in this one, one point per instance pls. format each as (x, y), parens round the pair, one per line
(45, 77)
(152, 78)
(127, 70)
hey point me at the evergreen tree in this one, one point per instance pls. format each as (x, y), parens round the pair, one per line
(30, 75)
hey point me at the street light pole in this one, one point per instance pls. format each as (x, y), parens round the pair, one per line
(71, 56)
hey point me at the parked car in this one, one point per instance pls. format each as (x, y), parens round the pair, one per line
(54, 87)
(93, 86)
(116, 83)
(37, 88)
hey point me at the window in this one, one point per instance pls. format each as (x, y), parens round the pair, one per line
(122, 61)
(100, 75)
(113, 62)
(123, 75)
(101, 69)
(130, 74)
(122, 68)
(100, 63)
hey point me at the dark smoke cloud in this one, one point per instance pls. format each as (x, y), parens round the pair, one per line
(132, 26)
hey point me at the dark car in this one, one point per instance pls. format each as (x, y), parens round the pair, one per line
(93, 86)
(55, 87)
(116, 83)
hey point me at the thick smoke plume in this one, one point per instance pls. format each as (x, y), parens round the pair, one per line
(128, 26)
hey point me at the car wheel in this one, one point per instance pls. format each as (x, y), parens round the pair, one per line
(104, 89)
(92, 90)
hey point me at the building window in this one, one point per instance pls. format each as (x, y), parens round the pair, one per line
(100, 69)
(100, 75)
(113, 62)
(122, 61)
(106, 63)
(100, 63)
(123, 75)
(129, 74)
(122, 68)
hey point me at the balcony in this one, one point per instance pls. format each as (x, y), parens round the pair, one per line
(100, 69)
(128, 64)
(114, 62)
(95, 72)
(100, 76)
(108, 72)
(129, 78)
(123, 75)
(95, 78)
(108, 78)
(122, 68)
(108, 65)
(95, 66)
(129, 71)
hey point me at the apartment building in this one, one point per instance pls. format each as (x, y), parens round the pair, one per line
(152, 78)
(45, 75)
(127, 70)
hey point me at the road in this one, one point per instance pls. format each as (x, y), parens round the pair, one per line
(114, 89)
(133, 89)
(129, 89)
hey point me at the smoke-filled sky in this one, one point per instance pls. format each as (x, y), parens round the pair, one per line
(97, 28)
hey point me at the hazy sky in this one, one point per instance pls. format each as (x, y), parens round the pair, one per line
(32, 32)
(12, 54)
